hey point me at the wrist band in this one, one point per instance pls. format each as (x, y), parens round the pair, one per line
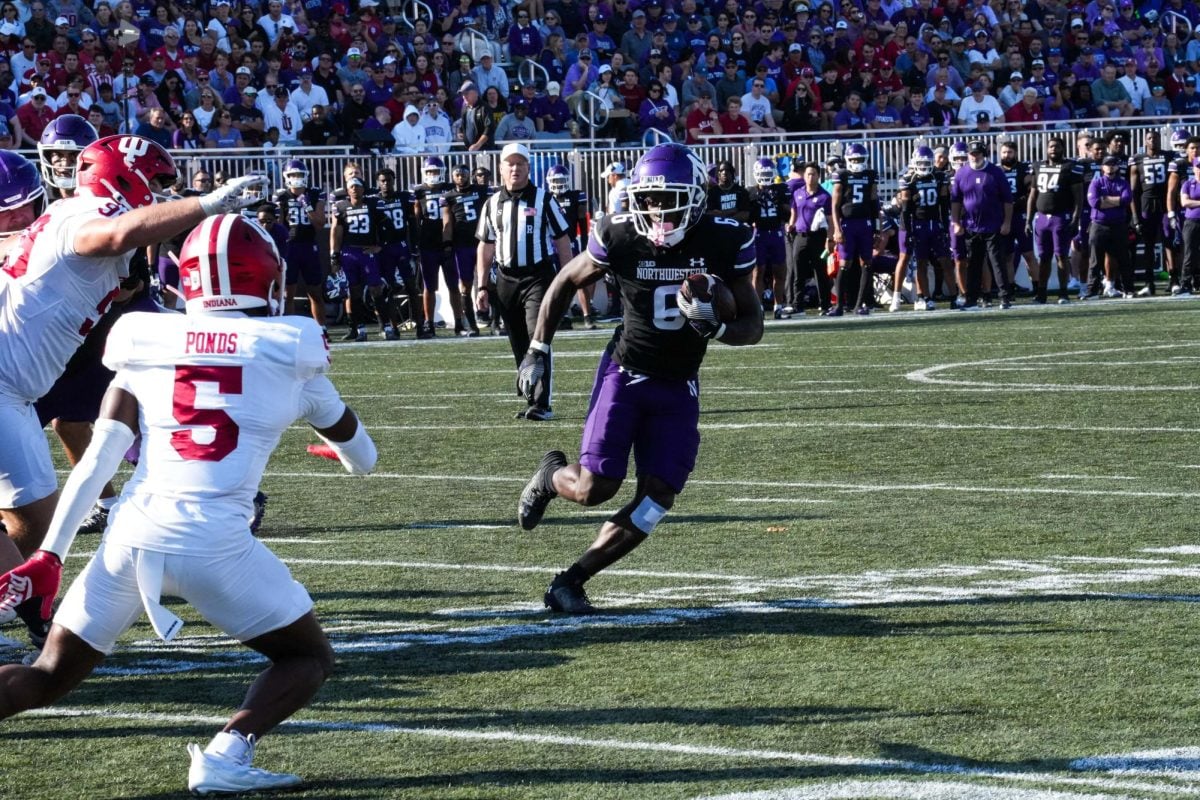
(539, 346)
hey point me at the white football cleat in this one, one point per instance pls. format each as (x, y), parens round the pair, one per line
(211, 774)
(895, 304)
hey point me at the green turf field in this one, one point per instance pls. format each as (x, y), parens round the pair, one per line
(946, 555)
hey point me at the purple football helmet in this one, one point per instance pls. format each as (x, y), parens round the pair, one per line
(1179, 138)
(295, 174)
(22, 195)
(922, 160)
(958, 154)
(61, 141)
(558, 179)
(433, 171)
(667, 192)
(856, 157)
(764, 172)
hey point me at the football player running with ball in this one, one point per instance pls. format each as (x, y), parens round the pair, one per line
(646, 397)
(210, 392)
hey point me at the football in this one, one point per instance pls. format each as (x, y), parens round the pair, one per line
(709, 288)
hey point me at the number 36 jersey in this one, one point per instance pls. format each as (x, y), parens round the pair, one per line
(215, 392)
(50, 297)
(655, 338)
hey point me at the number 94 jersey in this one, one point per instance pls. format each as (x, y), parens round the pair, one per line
(215, 392)
(655, 338)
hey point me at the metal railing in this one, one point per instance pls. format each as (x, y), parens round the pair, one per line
(535, 75)
(476, 44)
(1177, 21)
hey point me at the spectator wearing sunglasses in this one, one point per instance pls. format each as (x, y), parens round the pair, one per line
(524, 40)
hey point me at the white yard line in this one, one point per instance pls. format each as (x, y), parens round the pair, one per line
(883, 765)
(1072, 477)
(826, 424)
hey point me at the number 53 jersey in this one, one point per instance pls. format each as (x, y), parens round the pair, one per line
(215, 392)
(655, 338)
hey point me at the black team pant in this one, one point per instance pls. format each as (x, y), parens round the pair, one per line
(804, 261)
(520, 296)
(1152, 227)
(1191, 254)
(1111, 240)
(991, 248)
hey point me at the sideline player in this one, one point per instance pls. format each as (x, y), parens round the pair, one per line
(646, 396)
(1148, 182)
(460, 216)
(429, 198)
(922, 192)
(61, 275)
(855, 209)
(1052, 215)
(302, 207)
(574, 205)
(355, 239)
(1020, 178)
(769, 202)
(180, 526)
(395, 258)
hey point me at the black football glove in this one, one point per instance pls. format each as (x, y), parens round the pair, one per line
(706, 329)
(531, 371)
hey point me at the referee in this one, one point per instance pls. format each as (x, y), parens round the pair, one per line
(517, 227)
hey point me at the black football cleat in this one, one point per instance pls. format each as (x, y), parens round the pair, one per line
(30, 612)
(568, 598)
(260, 509)
(540, 490)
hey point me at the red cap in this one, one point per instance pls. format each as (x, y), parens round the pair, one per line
(44, 57)
(885, 64)
(807, 72)
(201, 73)
(339, 8)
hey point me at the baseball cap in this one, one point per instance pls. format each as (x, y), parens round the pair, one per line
(354, 52)
(983, 116)
(670, 16)
(517, 102)
(1057, 32)
(1054, 51)
(615, 168)
(245, 71)
(305, 72)
(807, 72)
(585, 53)
(605, 68)
(553, 87)
(148, 80)
(355, 181)
(484, 55)
(250, 90)
(464, 59)
(514, 149)
(639, 13)
(203, 73)
(1037, 62)
(1030, 92)
(981, 32)
(1157, 87)
(978, 86)
(1190, 80)
(281, 91)
(958, 40)
(655, 53)
(1112, 161)
(977, 145)
(795, 48)
(1086, 51)
(1077, 23)
(941, 87)
(885, 64)
(1016, 76)
(841, 25)
(38, 92)
(467, 86)
(62, 21)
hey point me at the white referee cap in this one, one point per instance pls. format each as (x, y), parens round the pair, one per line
(514, 149)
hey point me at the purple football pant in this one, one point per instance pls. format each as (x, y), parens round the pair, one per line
(395, 258)
(654, 417)
(769, 247)
(434, 263)
(304, 264)
(464, 260)
(858, 239)
(921, 244)
(958, 246)
(360, 267)
(168, 275)
(1052, 232)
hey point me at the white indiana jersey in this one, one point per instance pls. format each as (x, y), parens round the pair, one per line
(50, 297)
(214, 392)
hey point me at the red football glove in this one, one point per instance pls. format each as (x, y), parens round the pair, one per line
(40, 576)
(323, 451)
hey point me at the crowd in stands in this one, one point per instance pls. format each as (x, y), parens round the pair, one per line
(270, 73)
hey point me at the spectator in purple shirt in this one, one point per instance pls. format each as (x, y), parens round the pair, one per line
(807, 231)
(524, 41)
(1108, 196)
(915, 114)
(986, 224)
(656, 112)
(1085, 68)
(551, 114)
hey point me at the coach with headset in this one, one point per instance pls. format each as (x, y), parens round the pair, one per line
(523, 228)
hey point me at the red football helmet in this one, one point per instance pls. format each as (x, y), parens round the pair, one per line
(230, 262)
(122, 168)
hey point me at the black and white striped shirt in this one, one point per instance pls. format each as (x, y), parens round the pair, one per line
(523, 227)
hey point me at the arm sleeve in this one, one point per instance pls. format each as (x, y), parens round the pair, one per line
(597, 246)
(746, 257)
(320, 404)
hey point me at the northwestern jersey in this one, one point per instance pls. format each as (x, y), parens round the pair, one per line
(1181, 168)
(215, 392)
(1152, 181)
(397, 209)
(655, 338)
(574, 205)
(728, 200)
(1015, 174)
(294, 210)
(428, 201)
(924, 194)
(769, 206)
(464, 205)
(1055, 184)
(363, 225)
(51, 297)
(857, 202)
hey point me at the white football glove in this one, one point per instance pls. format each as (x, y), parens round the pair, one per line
(696, 310)
(229, 200)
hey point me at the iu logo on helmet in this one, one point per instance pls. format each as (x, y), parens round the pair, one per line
(134, 147)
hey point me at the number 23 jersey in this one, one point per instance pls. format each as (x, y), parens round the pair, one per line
(215, 392)
(655, 338)
(50, 297)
